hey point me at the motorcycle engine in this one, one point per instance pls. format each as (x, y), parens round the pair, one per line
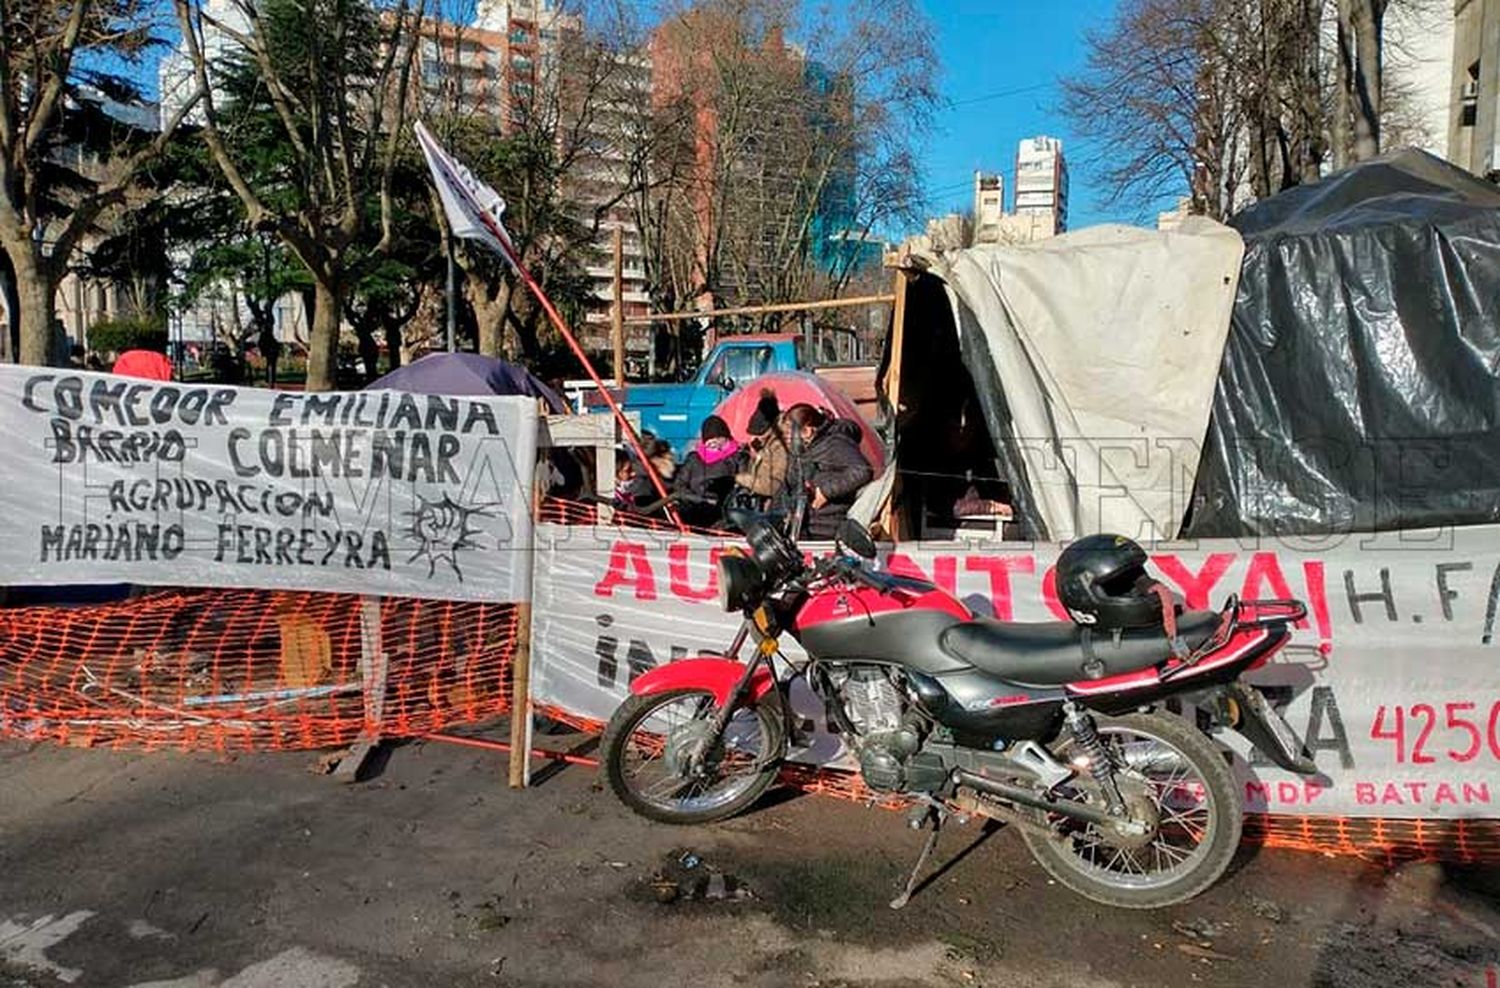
(888, 734)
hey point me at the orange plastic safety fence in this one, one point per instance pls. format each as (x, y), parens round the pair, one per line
(561, 512)
(256, 670)
(1388, 841)
(251, 670)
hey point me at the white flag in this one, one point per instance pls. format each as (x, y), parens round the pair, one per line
(474, 209)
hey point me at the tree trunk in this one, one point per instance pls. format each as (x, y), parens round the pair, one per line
(10, 343)
(369, 351)
(489, 313)
(1260, 179)
(393, 343)
(36, 297)
(1343, 87)
(323, 337)
(1368, 18)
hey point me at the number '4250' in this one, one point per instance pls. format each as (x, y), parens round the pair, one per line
(1424, 733)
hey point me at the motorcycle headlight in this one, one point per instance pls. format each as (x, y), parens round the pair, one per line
(776, 554)
(740, 580)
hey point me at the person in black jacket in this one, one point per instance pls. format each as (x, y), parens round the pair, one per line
(827, 462)
(707, 474)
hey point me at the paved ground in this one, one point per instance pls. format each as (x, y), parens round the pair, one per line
(188, 872)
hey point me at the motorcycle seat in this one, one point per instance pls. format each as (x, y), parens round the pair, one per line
(1051, 653)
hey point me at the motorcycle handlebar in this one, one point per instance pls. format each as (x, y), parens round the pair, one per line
(840, 566)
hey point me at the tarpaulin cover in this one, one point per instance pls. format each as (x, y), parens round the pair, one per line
(466, 374)
(1094, 355)
(1360, 386)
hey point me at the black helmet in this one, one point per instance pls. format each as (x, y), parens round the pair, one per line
(1102, 581)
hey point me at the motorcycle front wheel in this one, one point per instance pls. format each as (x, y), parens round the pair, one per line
(662, 760)
(1168, 772)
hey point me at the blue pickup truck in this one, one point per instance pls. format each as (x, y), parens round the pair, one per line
(674, 412)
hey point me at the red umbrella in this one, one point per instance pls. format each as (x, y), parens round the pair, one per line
(143, 363)
(798, 388)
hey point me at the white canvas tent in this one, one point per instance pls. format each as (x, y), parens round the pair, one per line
(1094, 355)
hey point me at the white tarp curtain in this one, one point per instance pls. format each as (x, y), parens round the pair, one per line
(1106, 344)
(117, 479)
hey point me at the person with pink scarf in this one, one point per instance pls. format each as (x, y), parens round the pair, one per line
(707, 474)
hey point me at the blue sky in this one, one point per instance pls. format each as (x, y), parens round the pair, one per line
(1000, 65)
(992, 47)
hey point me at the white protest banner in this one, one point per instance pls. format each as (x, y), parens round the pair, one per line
(118, 479)
(1394, 679)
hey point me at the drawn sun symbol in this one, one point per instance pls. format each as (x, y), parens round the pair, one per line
(441, 530)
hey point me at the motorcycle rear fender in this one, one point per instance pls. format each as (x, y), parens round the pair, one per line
(1263, 727)
(718, 676)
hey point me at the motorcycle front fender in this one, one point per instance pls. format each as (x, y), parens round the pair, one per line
(1263, 727)
(718, 676)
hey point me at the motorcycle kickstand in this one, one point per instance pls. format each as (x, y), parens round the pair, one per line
(936, 816)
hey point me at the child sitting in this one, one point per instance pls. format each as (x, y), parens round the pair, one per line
(707, 474)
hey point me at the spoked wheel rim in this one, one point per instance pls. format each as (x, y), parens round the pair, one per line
(1156, 776)
(667, 760)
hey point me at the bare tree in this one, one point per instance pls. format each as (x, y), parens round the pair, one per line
(54, 96)
(1232, 99)
(331, 84)
(1163, 113)
(790, 149)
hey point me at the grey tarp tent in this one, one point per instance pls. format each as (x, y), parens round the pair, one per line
(1360, 387)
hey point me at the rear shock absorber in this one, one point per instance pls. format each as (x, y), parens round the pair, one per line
(1092, 747)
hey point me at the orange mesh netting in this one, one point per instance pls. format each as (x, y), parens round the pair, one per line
(1372, 838)
(250, 670)
(260, 670)
(560, 512)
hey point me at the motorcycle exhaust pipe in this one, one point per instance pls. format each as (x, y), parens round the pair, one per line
(1153, 760)
(1026, 797)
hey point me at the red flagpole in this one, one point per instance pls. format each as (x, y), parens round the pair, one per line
(501, 237)
(609, 399)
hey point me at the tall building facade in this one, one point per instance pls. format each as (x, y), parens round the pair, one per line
(989, 207)
(499, 69)
(1474, 121)
(601, 182)
(175, 74)
(1042, 186)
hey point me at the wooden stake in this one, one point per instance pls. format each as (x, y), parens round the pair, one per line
(520, 699)
(520, 661)
(893, 394)
(617, 314)
(373, 669)
(755, 310)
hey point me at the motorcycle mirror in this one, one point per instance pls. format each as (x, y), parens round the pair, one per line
(857, 539)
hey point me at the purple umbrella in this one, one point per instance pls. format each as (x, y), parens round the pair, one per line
(466, 374)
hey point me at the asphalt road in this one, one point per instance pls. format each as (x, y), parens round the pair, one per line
(174, 871)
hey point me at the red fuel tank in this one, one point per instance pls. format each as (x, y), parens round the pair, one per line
(901, 623)
(837, 604)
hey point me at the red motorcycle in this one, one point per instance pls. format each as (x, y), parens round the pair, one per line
(1074, 731)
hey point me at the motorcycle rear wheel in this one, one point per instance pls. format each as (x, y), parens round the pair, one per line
(1192, 790)
(754, 746)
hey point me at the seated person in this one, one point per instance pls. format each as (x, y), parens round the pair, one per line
(707, 474)
(763, 475)
(660, 455)
(826, 461)
(632, 486)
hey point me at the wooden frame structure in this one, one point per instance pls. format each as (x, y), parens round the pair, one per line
(602, 434)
